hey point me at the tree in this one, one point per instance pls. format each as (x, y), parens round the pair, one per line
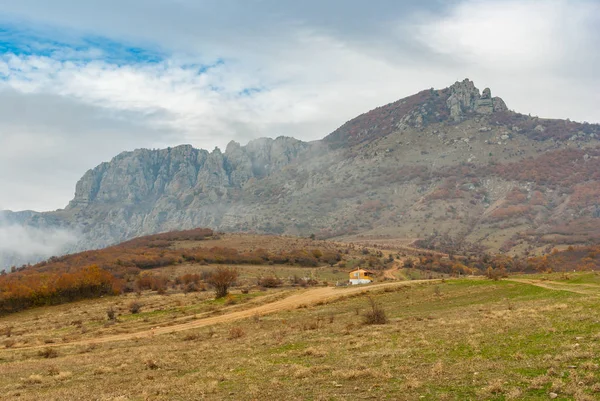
(221, 279)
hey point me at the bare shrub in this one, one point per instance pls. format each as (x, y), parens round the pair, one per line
(376, 315)
(495, 274)
(190, 287)
(135, 307)
(192, 337)
(111, 314)
(236, 332)
(48, 353)
(269, 282)
(221, 279)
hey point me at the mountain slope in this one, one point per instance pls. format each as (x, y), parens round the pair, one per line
(453, 161)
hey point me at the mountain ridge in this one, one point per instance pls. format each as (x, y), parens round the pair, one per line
(427, 163)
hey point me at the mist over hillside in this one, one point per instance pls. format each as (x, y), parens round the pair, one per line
(21, 243)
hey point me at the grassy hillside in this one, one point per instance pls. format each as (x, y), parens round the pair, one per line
(459, 339)
(181, 260)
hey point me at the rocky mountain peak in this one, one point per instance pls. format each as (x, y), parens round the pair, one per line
(453, 104)
(465, 99)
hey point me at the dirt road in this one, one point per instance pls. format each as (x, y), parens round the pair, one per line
(390, 274)
(585, 289)
(302, 297)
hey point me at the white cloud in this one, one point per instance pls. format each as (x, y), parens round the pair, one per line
(513, 35)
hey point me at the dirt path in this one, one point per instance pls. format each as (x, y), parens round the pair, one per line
(389, 274)
(302, 297)
(556, 286)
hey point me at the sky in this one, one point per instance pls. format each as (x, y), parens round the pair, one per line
(81, 81)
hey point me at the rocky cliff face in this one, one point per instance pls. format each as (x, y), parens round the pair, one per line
(146, 191)
(452, 160)
(144, 176)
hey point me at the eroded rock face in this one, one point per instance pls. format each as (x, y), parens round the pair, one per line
(147, 191)
(499, 104)
(146, 175)
(465, 98)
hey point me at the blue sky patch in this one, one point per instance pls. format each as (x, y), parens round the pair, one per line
(250, 91)
(50, 43)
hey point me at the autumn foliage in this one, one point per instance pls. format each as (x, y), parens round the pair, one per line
(25, 289)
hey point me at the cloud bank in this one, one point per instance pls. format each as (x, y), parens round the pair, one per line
(23, 244)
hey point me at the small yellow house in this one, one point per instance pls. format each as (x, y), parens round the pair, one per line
(360, 276)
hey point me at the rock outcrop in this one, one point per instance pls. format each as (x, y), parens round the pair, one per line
(465, 99)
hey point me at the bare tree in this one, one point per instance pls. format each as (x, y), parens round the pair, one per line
(221, 279)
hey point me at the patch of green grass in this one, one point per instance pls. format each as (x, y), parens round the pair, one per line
(289, 347)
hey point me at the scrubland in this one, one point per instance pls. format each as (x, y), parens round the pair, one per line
(443, 340)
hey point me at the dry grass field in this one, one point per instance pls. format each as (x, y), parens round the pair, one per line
(454, 340)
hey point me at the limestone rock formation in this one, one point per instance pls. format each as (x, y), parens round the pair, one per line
(465, 98)
(146, 175)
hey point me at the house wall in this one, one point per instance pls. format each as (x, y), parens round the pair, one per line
(355, 281)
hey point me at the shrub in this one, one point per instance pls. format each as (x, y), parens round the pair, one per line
(111, 314)
(236, 332)
(48, 353)
(192, 337)
(191, 287)
(495, 274)
(221, 279)
(269, 282)
(317, 253)
(135, 307)
(376, 315)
